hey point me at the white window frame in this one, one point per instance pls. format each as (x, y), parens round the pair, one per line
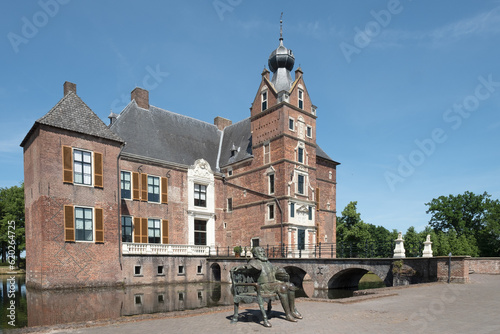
(268, 154)
(91, 184)
(271, 211)
(305, 176)
(93, 222)
(154, 186)
(271, 176)
(309, 131)
(132, 226)
(121, 184)
(199, 193)
(155, 220)
(300, 98)
(264, 98)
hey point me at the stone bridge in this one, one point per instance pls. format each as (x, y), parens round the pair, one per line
(346, 273)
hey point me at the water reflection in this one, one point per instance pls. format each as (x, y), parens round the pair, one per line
(17, 314)
(50, 307)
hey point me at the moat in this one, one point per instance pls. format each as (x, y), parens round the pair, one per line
(51, 307)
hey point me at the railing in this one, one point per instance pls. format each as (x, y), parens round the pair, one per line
(162, 249)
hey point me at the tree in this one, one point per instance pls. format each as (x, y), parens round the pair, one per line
(12, 209)
(463, 213)
(350, 216)
(472, 224)
(413, 243)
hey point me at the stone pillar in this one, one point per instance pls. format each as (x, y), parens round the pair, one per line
(427, 247)
(399, 250)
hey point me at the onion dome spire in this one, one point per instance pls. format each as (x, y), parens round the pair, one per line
(281, 62)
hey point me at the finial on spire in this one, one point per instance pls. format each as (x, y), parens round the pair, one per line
(281, 27)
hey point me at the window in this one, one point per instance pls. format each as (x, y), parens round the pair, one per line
(255, 242)
(271, 183)
(153, 189)
(181, 270)
(160, 270)
(291, 124)
(267, 153)
(84, 230)
(199, 270)
(301, 239)
(264, 100)
(270, 215)
(200, 232)
(82, 166)
(292, 210)
(300, 155)
(138, 299)
(230, 204)
(161, 298)
(137, 270)
(126, 185)
(313, 110)
(230, 172)
(200, 195)
(309, 131)
(310, 213)
(154, 231)
(301, 99)
(300, 184)
(127, 229)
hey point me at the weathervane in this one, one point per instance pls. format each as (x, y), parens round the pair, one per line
(281, 26)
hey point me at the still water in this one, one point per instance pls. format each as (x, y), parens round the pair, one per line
(51, 307)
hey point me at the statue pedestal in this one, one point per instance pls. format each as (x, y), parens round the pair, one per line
(399, 249)
(427, 247)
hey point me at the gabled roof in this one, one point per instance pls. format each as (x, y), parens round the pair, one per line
(160, 134)
(237, 138)
(72, 114)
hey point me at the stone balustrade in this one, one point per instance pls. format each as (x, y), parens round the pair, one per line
(162, 249)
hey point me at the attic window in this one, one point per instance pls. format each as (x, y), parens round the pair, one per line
(264, 100)
(301, 99)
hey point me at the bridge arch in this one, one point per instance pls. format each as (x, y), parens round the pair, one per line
(349, 278)
(296, 275)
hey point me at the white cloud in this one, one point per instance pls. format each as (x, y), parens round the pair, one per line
(482, 24)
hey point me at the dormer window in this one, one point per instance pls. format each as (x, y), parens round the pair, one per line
(301, 99)
(264, 100)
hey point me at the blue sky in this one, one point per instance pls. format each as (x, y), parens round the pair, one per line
(408, 92)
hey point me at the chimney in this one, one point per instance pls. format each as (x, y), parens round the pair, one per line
(265, 73)
(298, 72)
(69, 87)
(221, 122)
(141, 97)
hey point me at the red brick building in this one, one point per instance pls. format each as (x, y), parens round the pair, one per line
(101, 201)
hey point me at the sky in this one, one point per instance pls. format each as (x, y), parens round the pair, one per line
(408, 92)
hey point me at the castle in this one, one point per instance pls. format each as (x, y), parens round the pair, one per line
(121, 203)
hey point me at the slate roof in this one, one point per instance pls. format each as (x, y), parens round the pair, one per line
(167, 136)
(160, 134)
(237, 137)
(72, 114)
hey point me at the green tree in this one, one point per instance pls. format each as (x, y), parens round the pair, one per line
(463, 213)
(471, 221)
(12, 209)
(413, 242)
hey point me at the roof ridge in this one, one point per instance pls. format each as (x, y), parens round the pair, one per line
(184, 116)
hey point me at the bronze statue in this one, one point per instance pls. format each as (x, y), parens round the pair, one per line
(273, 280)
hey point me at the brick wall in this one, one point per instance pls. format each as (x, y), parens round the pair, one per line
(484, 265)
(52, 262)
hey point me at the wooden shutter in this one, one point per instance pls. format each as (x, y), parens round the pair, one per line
(144, 230)
(164, 190)
(67, 157)
(98, 170)
(317, 199)
(164, 231)
(99, 225)
(69, 223)
(144, 187)
(136, 195)
(137, 230)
